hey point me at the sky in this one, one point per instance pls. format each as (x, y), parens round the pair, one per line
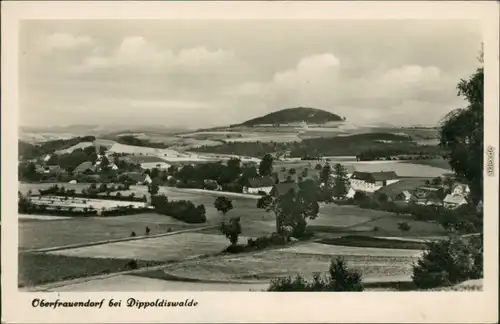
(195, 73)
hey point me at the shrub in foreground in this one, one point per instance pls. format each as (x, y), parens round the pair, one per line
(339, 278)
(449, 262)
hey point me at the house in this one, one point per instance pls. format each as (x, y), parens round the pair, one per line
(430, 192)
(139, 178)
(46, 158)
(85, 168)
(404, 196)
(280, 189)
(460, 190)
(259, 185)
(451, 201)
(371, 181)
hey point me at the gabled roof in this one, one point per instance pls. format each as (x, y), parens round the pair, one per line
(450, 199)
(280, 189)
(261, 182)
(84, 166)
(461, 186)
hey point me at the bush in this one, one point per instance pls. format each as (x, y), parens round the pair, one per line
(124, 210)
(132, 264)
(183, 210)
(339, 278)
(449, 262)
(404, 226)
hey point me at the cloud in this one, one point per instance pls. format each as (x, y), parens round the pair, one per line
(208, 72)
(319, 81)
(137, 52)
(63, 41)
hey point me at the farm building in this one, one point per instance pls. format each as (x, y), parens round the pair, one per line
(46, 158)
(139, 178)
(259, 185)
(405, 196)
(460, 190)
(84, 168)
(430, 192)
(371, 181)
(280, 189)
(451, 201)
(401, 190)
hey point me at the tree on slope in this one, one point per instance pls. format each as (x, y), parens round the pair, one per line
(340, 184)
(293, 208)
(325, 178)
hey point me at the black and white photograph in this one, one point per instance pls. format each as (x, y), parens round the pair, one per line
(251, 155)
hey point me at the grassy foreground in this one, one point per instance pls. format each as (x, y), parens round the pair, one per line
(38, 268)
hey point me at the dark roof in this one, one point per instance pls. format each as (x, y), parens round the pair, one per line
(84, 166)
(394, 189)
(261, 182)
(280, 189)
(374, 176)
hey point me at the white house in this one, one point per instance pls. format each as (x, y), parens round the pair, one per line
(371, 181)
(259, 185)
(405, 196)
(451, 201)
(460, 190)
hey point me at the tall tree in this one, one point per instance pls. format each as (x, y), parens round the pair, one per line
(293, 208)
(340, 183)
(154, 187)
(223, 204)
(461, 133)
(266, 165)
(232, 230)
(326, 189)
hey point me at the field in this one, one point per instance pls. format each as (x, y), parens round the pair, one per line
(402, 168)
(35, 269)
(167, 248)
(80, 145)
(304, 259)
(138, 283)
(40, 234)
(266, 137)
(32, 217)
(45, 234)
(437, 163)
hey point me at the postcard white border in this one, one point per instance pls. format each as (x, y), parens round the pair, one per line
(470, 307)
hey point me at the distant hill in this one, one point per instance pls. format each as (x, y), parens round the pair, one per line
(32, 151)
(294, 115)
